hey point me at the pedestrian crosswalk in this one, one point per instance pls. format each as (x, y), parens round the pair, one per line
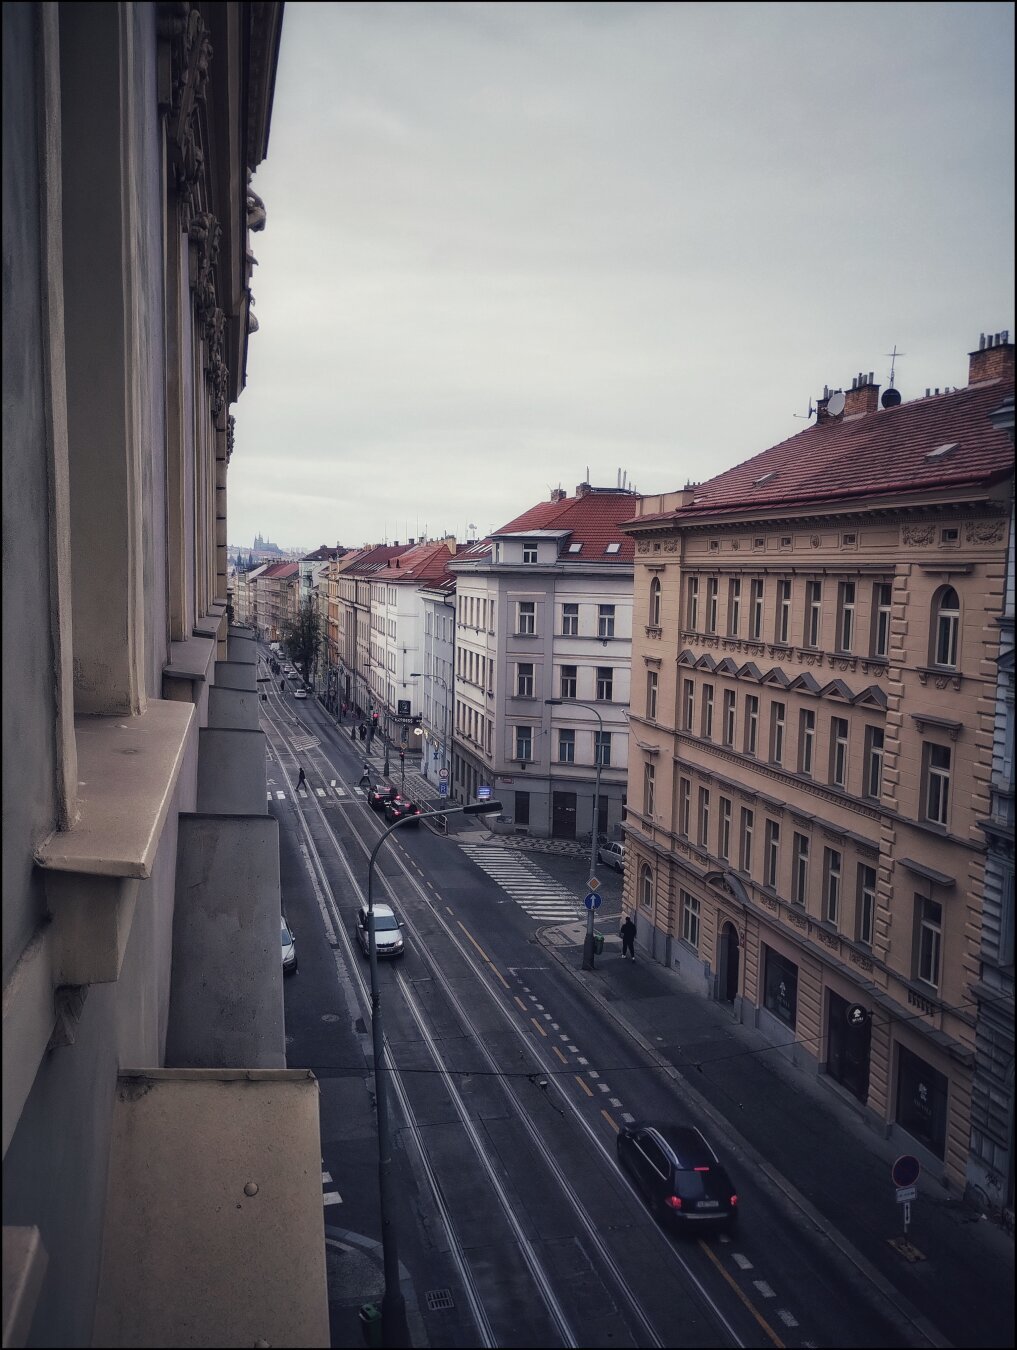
(539, 895)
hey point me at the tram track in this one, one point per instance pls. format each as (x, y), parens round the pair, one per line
(645, 1333)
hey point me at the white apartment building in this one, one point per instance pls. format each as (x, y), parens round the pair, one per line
(544, 612)
(436, 678)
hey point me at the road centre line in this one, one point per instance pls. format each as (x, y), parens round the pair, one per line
(522, 1005)
(559, 1054)
(744, 1298)
(467, 934)
(539, 1027)
(583, 1085)
(610, 1121)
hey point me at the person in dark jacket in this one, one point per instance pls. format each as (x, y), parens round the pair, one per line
(301, 780)
(627, 933)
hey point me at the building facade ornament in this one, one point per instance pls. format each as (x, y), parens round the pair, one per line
(918, 534)
(984, 532)
(185, 57)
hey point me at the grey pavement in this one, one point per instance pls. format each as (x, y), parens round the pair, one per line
(955, 1286)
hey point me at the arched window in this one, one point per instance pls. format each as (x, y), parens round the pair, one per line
(655, 603)
(645, 886)
(945, 628)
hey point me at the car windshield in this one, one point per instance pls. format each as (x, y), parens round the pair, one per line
(286, 939)
(385, 923)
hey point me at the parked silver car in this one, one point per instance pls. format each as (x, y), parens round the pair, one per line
(289, 949)
(612, 855)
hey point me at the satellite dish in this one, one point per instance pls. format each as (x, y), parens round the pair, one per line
(836, 404)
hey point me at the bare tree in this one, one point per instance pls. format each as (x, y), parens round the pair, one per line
(302, 638)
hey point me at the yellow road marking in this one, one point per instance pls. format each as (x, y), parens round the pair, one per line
(610, 1120)
(472, 939)
(587, 1090)
(522, 1005)
(759, 1318)
(501, 977)
(539, 1027)
(559, 1054)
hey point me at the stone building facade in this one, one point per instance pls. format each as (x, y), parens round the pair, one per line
(810, 764)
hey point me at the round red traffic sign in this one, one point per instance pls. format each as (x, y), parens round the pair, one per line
(906, 1170)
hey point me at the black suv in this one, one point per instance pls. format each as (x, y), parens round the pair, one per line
(679, 1174)
(398, 806)
(379, 797)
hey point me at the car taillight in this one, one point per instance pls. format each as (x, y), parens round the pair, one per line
(734, 1201)
(673, 1202)
(701, 1169)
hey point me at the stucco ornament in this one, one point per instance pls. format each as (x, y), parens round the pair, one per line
(918, 534)
(984, 531)
(185, 56)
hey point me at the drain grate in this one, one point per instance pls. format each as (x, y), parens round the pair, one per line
(439, 1299)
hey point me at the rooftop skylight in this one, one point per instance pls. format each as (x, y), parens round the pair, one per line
(575, 548)
(613, 548)
(942, 450)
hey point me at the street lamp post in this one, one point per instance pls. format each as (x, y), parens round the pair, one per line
(597, 756)
(394, 1330)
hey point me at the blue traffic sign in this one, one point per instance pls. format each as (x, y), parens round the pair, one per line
(906, 1170)
(443, 789)
(483, 793)
(593, 901)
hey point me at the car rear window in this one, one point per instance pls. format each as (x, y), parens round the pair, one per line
(712, 1182)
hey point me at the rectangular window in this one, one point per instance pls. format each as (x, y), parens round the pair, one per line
(605, 683)
(831, 884)
(524, 742)
(782, 632)
(605, 621)
(745, 840)
(569, 681)
(838, 751)
(777, 733)
(800, 870)
(947, 630)
(524, 679)
(730, 706)
(566, 745)
(648, 775)
(527, 623)
(873, 782)
(846, 616)
(707, 724)
(881, 593)
(937, 784)
(529, 553)
(690, 919)
(806, 740)
(928, 940)
(704, 817)
(772, 858)
(570, 620)
(688, 704)
(602, 748)
(865, 920)
(684, 805)
(692, 602)
(734, 606)
(651, 695)
(813, 613)
(724, 840)
(751, 723)
(712, 588)
(756, 608)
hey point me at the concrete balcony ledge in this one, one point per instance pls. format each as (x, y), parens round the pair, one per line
(190, 663)
(128, 771)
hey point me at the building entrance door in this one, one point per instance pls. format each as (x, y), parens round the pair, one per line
(563, 815)
(729, 962)
(847, 1055)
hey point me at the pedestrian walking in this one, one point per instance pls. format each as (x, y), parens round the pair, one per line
(363, 731)
(301, 780)
(627, 933)
(282, 686)
(353, 732)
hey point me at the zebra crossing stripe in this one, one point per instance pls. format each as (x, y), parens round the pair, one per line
(538, 895)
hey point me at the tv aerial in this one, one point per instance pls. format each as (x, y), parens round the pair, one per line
(806, 416)
(836, 402)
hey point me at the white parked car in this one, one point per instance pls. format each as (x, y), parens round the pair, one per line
(612, 855)
(300, 693)
(387, 937)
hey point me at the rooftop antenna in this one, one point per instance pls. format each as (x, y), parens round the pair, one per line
(810, 413)
(891, 396)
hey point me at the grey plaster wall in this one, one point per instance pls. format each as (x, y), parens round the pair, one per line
(29, 798)
(226, 1008)
(231, 772)
(55, 1170)
(235, 675)
(235, 709)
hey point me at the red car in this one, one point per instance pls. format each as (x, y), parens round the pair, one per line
(398, 807)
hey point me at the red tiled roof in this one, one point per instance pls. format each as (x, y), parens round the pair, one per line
(280, 571)
(422, 562)
(372, 559)
(592, 520)
(880, 453)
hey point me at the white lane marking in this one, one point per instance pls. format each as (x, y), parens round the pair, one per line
(628, 1119)
(332, 1198)
(269, 795)
(593, 1074)
(320, 791)
(764, 1289)
(338, 791)
(603, 1087)
(281, 796)
(787, 1318)
(325, 1177)
(615, 1102)
(583, 1061)
(742, 1262)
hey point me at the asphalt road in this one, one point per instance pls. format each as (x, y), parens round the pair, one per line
(515, 1225)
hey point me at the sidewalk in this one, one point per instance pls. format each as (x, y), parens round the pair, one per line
(829, 1165)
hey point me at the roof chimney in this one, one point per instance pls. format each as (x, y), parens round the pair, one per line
(862, 397)
(558, 494)
(582, 489)
(993, 360)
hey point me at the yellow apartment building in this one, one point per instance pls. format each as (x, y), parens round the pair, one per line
(813, 695)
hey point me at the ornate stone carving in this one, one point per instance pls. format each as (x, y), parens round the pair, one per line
(642, 546)
(231, 435)
(670, 545)
(827, 939)
(816, 540)
(736, 544)
(799, 920)
(863, 962)
(984, 532)
(185, 55)
(918, 534)
(772, 905)
(653, 632)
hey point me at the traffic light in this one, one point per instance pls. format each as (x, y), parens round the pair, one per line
(374, 719)
(402, 756)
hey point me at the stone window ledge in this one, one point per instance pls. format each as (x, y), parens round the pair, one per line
(128, 769)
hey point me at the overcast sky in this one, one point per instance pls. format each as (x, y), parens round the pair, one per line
(510, 243)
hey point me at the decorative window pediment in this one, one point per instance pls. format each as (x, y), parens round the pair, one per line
(805, 683)
(727, 667)
(776, 676)
(750, 671)
(687, 658)
(872, 697)
(838, 689)
(706, 662)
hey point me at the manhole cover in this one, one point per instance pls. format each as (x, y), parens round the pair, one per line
(438, 1299)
